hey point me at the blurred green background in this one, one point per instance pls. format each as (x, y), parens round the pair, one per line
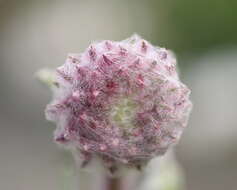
(36, 34)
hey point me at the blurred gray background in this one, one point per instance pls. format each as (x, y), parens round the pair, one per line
(36, 34)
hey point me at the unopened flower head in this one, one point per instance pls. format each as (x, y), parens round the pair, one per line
(122, 102)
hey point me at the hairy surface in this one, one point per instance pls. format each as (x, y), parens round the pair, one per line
(121, 101)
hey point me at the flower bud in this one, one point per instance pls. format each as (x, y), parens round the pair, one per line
(122, 102)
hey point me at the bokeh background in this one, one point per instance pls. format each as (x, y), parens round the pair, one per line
(36, 34)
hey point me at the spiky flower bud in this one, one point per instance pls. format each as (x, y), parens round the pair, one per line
(120, 101)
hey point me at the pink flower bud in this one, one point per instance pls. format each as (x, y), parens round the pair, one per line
(121, 101)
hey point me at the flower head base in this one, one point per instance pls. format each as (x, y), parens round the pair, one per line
(121, 101)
